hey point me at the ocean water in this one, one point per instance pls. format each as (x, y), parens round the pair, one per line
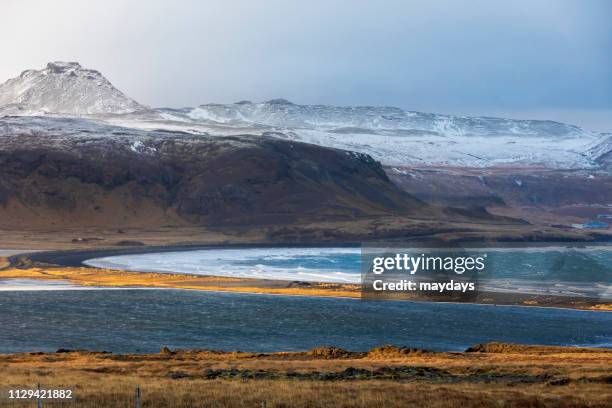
(142, 321)
(305, 264)
(585, 272)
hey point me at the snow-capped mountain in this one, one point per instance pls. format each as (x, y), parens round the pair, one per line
(63, 88)
(393, 136)
(369, 119)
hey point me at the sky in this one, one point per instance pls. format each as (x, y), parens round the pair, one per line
(535, 59)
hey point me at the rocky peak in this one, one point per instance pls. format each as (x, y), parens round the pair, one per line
(63, 88)
(59, 67)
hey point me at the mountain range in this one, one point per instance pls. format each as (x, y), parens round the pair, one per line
(74, 150)
(390, 135)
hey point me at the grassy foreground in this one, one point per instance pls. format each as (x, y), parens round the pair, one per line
(493, 375)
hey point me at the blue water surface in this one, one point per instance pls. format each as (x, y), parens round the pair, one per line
(145, 320)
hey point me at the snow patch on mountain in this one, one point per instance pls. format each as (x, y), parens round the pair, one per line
(392, 136)
(63, 88)
(282, 113)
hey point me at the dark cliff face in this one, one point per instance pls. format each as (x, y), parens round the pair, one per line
(109, 177)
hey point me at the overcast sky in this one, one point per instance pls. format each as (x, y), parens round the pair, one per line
(529, 59)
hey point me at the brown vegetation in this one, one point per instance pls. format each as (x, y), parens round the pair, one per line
(117, 278)
(389, 376)
(184, 180)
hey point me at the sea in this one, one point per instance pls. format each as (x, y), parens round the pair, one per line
(35, 316)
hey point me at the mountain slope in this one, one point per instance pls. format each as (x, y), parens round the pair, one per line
(63, 88)
(603, 152)
(77, 172)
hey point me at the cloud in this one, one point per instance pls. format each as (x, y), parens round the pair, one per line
(434, 56)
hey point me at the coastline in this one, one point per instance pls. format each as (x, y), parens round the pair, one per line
(68, 265)
(77, 257)
(110, 278)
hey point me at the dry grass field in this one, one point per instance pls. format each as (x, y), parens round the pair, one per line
(495, 375)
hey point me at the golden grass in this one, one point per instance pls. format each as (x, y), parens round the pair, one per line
(565, 377)
(523, 349)
(276, 394)
(116, 278)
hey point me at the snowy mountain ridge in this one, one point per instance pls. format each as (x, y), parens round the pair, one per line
(347, 119)
(393, 136)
